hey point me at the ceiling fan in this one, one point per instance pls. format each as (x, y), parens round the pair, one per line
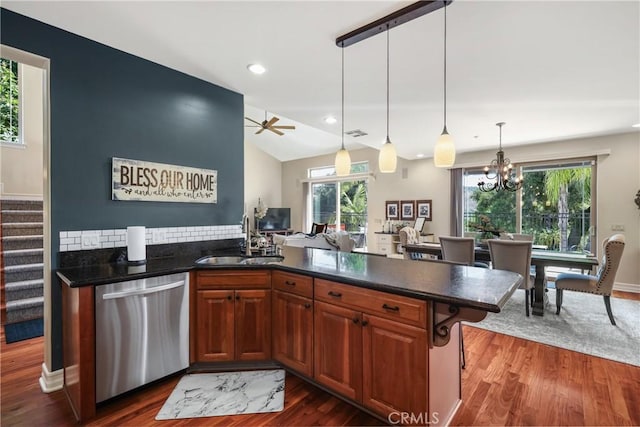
(269, 125)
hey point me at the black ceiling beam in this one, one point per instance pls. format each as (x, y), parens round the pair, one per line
(399, 17)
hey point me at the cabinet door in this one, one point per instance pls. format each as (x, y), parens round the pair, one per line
(215, 336)
(253, 325)
(338, 349)
(293, 331)
(394, 366)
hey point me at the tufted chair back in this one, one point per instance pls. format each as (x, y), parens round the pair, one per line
(612, 249)
(409, 236)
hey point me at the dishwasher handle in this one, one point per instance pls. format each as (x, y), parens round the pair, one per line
(146, 291)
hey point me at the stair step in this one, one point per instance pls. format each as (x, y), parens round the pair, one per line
(25, 309)
(21, 216)
(25, 289)
(10, 243)
(14, 205)
(23, 256)
(22, 229)
(19, 273)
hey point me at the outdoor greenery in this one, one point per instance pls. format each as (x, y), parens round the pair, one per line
(353, 204)
(555, 207)
(9, 103)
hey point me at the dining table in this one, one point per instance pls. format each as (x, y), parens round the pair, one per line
(540, 259)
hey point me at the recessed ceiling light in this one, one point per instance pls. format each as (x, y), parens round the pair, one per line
(330, 120)
(637, 125)
(419, 155)
(256, 68)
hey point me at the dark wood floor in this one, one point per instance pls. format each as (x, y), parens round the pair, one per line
(508, 381)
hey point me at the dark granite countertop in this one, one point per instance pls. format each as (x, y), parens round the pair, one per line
(479, 288)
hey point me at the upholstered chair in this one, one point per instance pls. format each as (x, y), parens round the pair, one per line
(513, 255)
(602, 282)
(460, 249)
(409, 236)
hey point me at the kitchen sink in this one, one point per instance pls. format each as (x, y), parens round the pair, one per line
(238, 260)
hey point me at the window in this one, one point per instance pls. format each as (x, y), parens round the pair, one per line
(10, 112)
(340, 203)
(554, 204)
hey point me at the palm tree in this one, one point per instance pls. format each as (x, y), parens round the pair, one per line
(557, 182)
(353, 203)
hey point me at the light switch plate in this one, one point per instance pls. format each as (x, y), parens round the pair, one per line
(617, 227)
(90, 240)
(158, 237)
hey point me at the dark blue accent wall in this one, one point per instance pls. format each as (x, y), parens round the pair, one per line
(106, 103)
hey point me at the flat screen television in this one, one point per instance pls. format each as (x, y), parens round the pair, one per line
(275, 219)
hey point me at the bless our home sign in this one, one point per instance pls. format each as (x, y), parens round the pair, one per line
(159, 182)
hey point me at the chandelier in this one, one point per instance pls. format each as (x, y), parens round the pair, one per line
(500, 172)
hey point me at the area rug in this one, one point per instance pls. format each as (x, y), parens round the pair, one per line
(583, 325)
(14, 332)
(227, 393)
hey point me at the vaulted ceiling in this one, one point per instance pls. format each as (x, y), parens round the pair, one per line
(552, 70)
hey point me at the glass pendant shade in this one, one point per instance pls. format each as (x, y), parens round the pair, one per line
(444, 155)
(343, 162)
(387, 159)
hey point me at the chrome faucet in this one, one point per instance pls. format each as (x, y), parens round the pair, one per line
(247, 231)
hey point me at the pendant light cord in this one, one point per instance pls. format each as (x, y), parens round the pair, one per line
(387, 83)
(445, 66)
(342, 134)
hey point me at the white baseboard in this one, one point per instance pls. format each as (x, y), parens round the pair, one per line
(51, 381)
(15, 196)
(627, 287)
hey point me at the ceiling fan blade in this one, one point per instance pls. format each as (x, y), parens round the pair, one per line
(276, 131)
(252, 126)
(284, 127)
(260, 130)
(251, 120)
(272, 121)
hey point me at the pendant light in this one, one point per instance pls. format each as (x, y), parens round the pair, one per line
(444, 154)
(387, 159)
(343, 159)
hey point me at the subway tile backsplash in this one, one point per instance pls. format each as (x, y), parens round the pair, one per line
(72, 240)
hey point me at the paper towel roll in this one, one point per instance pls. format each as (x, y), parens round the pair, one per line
(136, 246)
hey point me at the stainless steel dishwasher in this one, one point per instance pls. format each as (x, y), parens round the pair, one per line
(142, 332)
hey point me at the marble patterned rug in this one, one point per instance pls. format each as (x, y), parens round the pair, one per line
(226, 393)
(582, 326)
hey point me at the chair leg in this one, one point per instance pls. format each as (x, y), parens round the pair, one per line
(558, 300)
(526, 301)
(464, 361)
(607, 303)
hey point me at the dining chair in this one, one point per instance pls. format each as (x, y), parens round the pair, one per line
(460, 249)
(514, 255)
(602, 282)
(318, 228)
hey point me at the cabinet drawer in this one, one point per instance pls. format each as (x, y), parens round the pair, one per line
(234, 279)
(396, 307)
(384, 239)
(294, 283)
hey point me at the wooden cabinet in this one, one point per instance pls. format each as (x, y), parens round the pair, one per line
(233, 324)
(371, 347)
(293, 321)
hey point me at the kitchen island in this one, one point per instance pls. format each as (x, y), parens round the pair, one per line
(381, 333)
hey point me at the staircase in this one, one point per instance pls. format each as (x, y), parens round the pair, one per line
(22, 256)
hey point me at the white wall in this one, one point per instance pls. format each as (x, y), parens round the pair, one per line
(21, 166)
(262, 179)
(618, 180)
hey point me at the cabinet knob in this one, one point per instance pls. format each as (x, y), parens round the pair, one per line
(286, 282)
(307, 305)
(365, 322)
(388, 307)
(356, 320)
(335, 294)
(229, 297)
(237, 297)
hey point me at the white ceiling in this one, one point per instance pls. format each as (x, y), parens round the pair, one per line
(549, 69)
